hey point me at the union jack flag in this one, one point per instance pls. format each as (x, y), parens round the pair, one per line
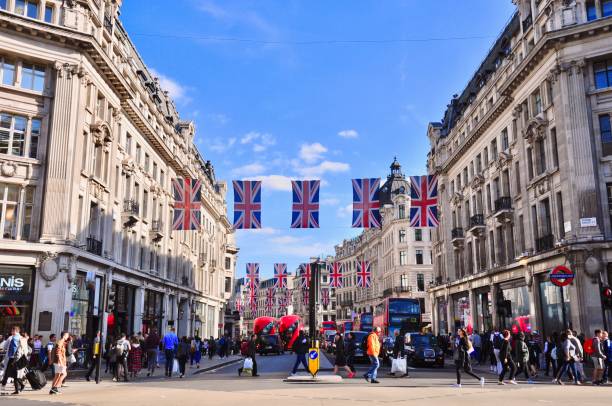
(238, 305)
(305, 275)
(187, 195)
(269, 300)
(288, 297)
(366, 204)
(247, 204)
(424, 201)
(252, 274)
(335, 274)
(305, 212)
(305, 297)
(253, 301)
(280, 276)
(364, 276)
(325, 296)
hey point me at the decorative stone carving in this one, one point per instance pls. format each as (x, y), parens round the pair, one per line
(535, 130)
(553, 74)
(456, 198)
(128, 166)
(47, 266)
(542, 186)
(96, 188)
(516, 111)
(8, 168)
(101, 133)
(575, 67)
(71, 270)
(477, 181)
(67, 70)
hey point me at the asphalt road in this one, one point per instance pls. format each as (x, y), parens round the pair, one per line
(223, 387)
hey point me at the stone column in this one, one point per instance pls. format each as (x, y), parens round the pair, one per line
(61, 141)
(574, 114)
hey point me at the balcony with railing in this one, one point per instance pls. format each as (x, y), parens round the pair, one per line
(130, 213)
(108, 23)
(402, 289)
(157, 230)
(527, 22)
(94, 246)
(477, 224)
(545, 243)
(457, 237)
(503, 209)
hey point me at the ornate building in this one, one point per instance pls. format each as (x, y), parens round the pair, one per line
(523, 157)
(399, 256)
(89, 145)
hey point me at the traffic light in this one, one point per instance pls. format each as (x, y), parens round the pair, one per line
(111, 301)
(606, 297)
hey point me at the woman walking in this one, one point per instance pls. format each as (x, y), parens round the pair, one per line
(340, 360)
(505, 357)
(351, 347)
(522, 356)
(568, 358)
(182, 354)
(135, 358)
(461, 357)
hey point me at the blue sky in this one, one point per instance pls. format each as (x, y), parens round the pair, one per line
(273, 96)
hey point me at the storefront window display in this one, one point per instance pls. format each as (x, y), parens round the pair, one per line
(81, 318)
(153, 316)
(442, 316)
(484, 312)
(515, 308)
(463, 313)
(121, 320)
(16, 294)
(556, 309)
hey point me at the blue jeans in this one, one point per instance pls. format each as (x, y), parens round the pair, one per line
(563, 370)
(169, 362)
(373, 368)
(301, 358)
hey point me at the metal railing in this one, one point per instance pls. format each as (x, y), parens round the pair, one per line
(457, 233)
(503, 203)
(477, 220)
(546, 242)
(94, 246)
(157, 226)
(131, 207)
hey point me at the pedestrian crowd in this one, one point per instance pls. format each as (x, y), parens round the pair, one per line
(26, 359)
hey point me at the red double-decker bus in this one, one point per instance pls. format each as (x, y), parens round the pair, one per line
(289, 329)
(398, 314)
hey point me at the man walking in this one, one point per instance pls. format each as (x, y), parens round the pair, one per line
(60, 366)
(95, 355)
(373, 344)
(599, 358)
(151, 345)
(14, 344)
(170, 342)
(300, 348)
(122, 350)
(477, 345)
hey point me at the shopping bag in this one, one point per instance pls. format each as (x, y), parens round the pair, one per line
(398, 365)
(248, 363)
(175, 366)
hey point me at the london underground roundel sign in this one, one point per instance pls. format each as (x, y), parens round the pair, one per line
(561, 276)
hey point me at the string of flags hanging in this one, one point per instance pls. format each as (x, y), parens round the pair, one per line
(366, 203)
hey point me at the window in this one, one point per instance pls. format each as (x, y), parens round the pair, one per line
(161, 178)
(541, 152)
(401, 211)
(402, 235)
(494, 150)
(603, 74)
(420, 282)
(605, 134)
(485, 156)
(478, 164)
(49, 14)
(489, 198)
(98, 165)
(404, 282)
(606, 8)
(32, 77)
(154, 170)
(517, 177)
(9, 210)
(100, 106)
(228, 263)
(521, 227)
(146, 162)
(536, 98)
(13, 134)
(403, 259)
(529, 164)
(555, 147)
(419, 257)
(8, 72)
(504, 140)
(145, 204)
(560, 217)
(138, 153)
(591, 10)
(128, 143)
(418, 234)
(34, 137)
(609, 189)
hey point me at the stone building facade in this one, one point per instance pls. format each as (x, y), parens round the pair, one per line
(399, 256)
(525, 177)
(89, 145)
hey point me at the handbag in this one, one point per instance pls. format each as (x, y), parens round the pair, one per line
(398, 365)
(72, 359)
(175, 366)
(248, 363)
(21, 362)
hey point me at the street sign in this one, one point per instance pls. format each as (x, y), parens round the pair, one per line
(313, 361)
(561, 276)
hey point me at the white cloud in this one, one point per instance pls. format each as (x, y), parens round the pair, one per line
(249, 170)
(177, 91)
(220, 145)
(265, 231)
(260, 141)
(275, 182)
(237, 16)
(345, 211)
(312, 152)
(249, 137)
(323, 168)
(348, 134)
(330, 201)
(285, 239)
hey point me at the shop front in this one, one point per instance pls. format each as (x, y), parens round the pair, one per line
(555, 306)
(16, 295)
(121, 318)
(85, 290)
(484, 311)
(442, 305)
(462, 311)
(153, 313)
(514, 307)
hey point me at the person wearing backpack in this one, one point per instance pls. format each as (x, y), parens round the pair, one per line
(522, 356)
(121, 350)
(497, 341)
(599, 358)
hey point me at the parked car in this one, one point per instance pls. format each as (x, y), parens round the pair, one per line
(360, 336)
(270, 344)
(423, 350)
(328, 340)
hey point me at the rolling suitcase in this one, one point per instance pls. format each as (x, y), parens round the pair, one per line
(36, 379)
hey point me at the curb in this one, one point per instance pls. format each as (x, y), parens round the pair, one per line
(221, 365)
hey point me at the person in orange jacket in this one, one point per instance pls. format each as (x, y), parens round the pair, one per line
(373, 350)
